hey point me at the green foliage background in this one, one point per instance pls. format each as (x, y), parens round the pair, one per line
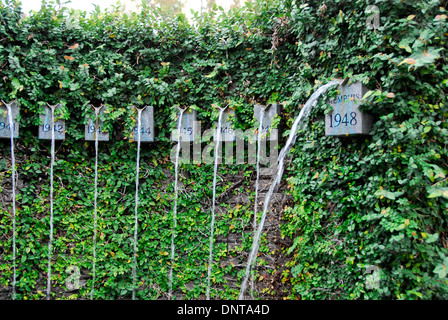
(376, 200)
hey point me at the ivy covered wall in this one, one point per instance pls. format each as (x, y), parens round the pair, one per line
(353, 202)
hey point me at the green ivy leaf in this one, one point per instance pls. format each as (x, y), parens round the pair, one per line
(388, 194)
(441, 269)
(432, 238)
(437, 192)
(404, 44)
(212, 74)
(422, 58)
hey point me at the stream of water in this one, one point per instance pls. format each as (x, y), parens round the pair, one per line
(137, 180)
(95, 201)
(212, 223)
(298, 124)
(259, 136)
(176, 194)
(13, 177)
(50, 242)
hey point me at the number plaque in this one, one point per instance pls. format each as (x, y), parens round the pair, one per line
(188, 126)
(94, 127)
(227, 130)
(147, 126)
(5, 128)
(269, 114)
(346, 119)
(45, 127)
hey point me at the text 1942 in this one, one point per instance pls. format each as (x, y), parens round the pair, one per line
(57, 128)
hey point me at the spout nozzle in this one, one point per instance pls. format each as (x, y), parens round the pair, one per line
(222, 108)
(97, 109)
(264, 107)
(12, 103)
(344, 81)
(139, 110)
(52, 107)
(182, 109)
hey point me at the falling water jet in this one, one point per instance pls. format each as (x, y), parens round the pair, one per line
(134, 268)
(212, 224)
(50, 242)
(176, 192)
(304, 112)
(259, 136)
(95, 200)
(13, 177)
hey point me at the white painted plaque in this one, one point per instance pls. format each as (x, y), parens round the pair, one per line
(45, 127)
(4, 120)
(269, 114)
(147, 126)
(227, 129)
(346, 119)
(188, 126)
(95, 127)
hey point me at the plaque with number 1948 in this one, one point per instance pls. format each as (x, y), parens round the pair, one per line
(346, 118)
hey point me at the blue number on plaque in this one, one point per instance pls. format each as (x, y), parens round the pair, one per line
(142, 130)
(338, 119)
(91, 129)
(188, 131)
(4, 126)
(57, 128)
(226, 130)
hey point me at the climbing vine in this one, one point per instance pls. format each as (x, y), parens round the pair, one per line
(354, 202)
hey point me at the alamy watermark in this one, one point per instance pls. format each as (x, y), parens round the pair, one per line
(240, 147)
(373, 277)
(72, 281)
(373, 19)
